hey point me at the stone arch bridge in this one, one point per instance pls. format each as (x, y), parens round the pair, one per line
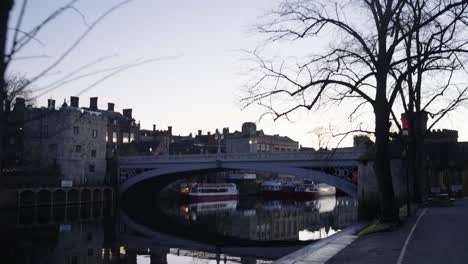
(336, 167)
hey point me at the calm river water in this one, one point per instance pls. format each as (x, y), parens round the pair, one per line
(237, 231)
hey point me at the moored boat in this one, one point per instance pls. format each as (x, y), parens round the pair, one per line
(209, 191)
(278, 189)
(296, 189)
(314, 190)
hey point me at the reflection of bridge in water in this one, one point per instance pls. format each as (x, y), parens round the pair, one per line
(334, 167)
(272, 222)
(85, 234)
(140, 240)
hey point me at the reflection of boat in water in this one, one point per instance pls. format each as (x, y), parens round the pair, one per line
(326, 204)
(209, 207)
(322, 205)
(209, 191)
(299, 189)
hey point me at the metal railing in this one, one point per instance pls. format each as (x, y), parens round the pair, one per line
(338, 154)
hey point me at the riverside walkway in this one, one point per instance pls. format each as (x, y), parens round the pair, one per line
(440, 236)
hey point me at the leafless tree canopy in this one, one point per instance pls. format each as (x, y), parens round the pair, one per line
(421, 37)
(389, 55)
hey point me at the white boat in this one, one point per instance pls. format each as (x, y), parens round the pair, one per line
(313, 190)
(210, 191)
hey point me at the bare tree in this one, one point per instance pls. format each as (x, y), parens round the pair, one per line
(366, 60)
(436, 84)
(15, 86)
(322, 137)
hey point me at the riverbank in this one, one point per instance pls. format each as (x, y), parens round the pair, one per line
(324, 249)
(433, 235)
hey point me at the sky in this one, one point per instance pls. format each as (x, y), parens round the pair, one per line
(199, 73)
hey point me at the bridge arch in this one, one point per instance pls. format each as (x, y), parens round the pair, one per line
(315, 175)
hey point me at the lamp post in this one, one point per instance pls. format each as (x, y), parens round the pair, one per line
(219, 137)
(404, 156)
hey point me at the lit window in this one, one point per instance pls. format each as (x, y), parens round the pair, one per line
(114, 137)
(125, 138)
(132, 137)
(94, 133)
(107, 138)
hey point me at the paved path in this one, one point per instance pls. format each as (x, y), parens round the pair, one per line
(441, 236)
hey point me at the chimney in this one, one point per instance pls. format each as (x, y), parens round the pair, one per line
(51, 104)
(226, 130)
(169, 128)
(74, 101)
(110, 107)
(154, 127)
(199, 132)
(127, 113)
(93, 103)
(209, 133)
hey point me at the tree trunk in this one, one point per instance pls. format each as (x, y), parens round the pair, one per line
(5, 7)
(388, 209)
(418, 156)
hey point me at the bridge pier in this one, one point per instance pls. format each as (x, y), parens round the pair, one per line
(368, 191)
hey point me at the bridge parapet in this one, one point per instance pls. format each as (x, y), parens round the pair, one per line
(337, 154)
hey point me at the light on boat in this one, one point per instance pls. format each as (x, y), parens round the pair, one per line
(184, 209)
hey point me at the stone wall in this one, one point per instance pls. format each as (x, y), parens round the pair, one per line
(69, 137)
(368, 195)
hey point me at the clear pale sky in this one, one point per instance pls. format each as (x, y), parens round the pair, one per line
(197, 89)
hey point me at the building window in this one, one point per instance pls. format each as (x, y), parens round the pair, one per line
(114, 137)
(132, 137)
(78, 148)
(90, 252)
(93, 153)
(94, 133)
(125, 138)
(107, 138)
(92, 168)
(76, 130)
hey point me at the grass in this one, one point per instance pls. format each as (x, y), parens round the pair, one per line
(375, 226)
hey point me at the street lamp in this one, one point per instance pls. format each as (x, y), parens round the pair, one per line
(404, 156)
(219, 137)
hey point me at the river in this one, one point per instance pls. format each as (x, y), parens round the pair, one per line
(248, 230)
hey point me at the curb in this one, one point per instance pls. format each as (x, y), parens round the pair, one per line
(323, 250)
